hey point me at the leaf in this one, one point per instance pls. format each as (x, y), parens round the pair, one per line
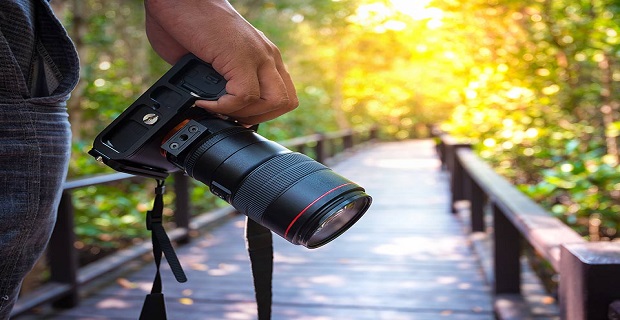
(559, 182)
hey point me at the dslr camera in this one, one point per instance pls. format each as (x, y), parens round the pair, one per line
(163, 131)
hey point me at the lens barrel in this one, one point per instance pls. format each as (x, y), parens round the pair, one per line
(296, 197)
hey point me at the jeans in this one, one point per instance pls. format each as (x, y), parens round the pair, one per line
(35, 139)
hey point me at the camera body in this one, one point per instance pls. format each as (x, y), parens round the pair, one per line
(132, 143)
(300, 199)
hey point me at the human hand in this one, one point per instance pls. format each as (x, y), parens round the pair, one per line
(259, 88)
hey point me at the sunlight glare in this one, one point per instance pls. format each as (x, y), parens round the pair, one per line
(419, 10)
(379, 15)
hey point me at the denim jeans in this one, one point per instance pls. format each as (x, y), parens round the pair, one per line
(35, 138)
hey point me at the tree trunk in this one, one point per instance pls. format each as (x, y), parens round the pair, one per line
(77, 31)
(609, 107)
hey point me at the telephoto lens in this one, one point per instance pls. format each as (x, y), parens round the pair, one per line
(296, 197)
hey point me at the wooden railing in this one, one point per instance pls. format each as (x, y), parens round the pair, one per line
(589, 272)
(67, 278)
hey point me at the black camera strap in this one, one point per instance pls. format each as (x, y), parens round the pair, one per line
(259, 244)
(260, 248)
(154, 307)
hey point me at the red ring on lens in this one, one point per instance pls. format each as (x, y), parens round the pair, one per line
(310, 205)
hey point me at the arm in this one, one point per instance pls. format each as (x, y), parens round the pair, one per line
(259, 87)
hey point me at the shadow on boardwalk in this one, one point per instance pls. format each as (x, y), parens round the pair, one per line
(407, 258)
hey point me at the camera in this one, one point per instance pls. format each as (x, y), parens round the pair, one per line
(162, 132)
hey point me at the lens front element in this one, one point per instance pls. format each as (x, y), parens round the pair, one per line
(333, 224)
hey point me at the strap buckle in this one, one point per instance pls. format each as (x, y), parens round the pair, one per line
(151, 220)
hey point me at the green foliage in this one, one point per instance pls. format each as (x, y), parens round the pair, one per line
(533, 83)
(541, 104)
(111, 215)
(583, 191)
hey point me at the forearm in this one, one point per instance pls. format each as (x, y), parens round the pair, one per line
(207, 28)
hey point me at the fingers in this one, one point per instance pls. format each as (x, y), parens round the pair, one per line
(258, 86)
(256, 96)
(293, 100)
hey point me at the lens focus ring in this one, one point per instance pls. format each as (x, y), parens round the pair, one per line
(263, 185)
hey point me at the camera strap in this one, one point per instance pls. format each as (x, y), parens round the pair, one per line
(259, 244)
(260, 248)
(154, 307)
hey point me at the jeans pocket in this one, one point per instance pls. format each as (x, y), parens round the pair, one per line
(56, 64)
(12, 82)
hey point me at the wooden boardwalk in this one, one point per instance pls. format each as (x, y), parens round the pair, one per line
(407, 258)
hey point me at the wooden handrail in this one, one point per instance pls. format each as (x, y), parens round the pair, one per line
(96, 180)
(67, 278)
(543, 231)
(589, 271)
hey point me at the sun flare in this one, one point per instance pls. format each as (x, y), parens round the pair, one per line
(419, 10)
(384, 15)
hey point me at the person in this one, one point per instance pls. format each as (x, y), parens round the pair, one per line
(38, 70)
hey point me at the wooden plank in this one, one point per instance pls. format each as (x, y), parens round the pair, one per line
(512, 307)
(407, 258)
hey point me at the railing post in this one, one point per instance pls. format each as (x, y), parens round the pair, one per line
(374, 133)
(476, 204)
(507, 252)
(62, 256)
(348, 140)
(182, 204)
(320, 149)
(457, 184)
(589, 280)
(440, 148)
(301, 148)
(359, 136)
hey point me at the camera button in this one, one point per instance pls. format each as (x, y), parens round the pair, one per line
(220, 191)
